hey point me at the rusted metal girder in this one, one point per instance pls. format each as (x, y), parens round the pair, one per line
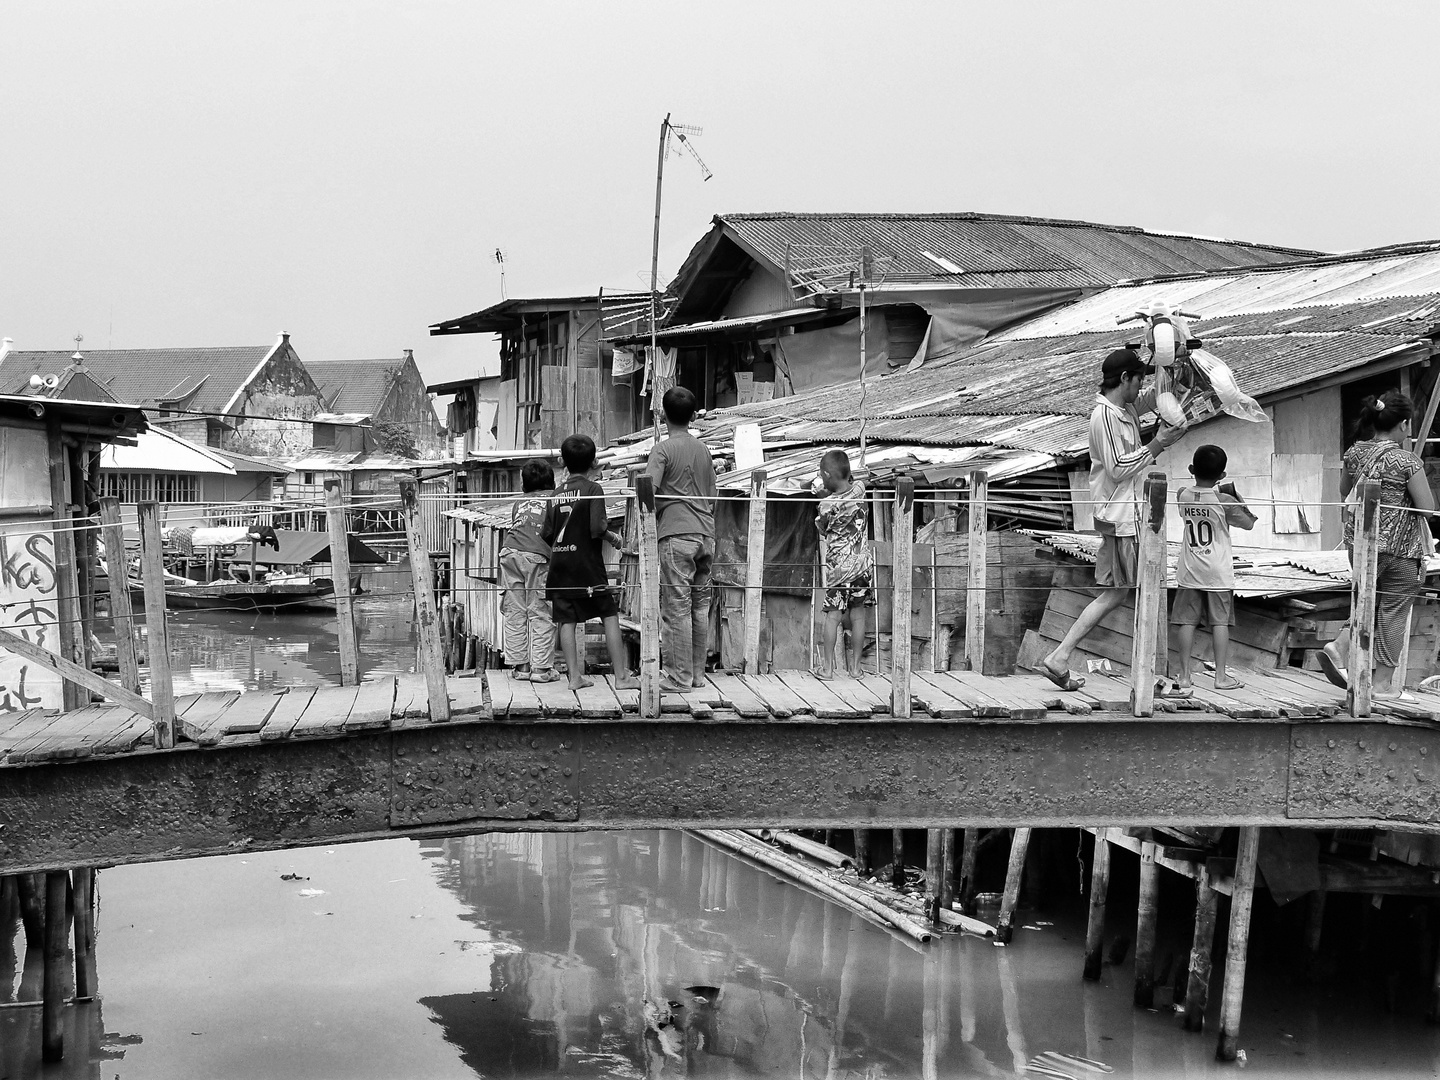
(459, 777)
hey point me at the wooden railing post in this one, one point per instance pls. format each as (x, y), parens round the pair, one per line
(1242, 895)
(432, 660)
(649, 598)
(69, 633)
(978, 556)
(1150, 594)
(152, 575)
(755, 572)
(1362, 598)
(340, 574)
(902, 547)
(122, 612)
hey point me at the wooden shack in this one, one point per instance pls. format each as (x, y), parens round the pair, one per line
(49, 488)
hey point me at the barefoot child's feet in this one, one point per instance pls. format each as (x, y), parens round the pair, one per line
(626, 682)
(581, 683)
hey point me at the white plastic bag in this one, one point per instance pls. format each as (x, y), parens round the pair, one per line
(1232, 399)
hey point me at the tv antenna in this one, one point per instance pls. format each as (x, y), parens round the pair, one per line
(815, 270)
(684, 133)
(500, 261)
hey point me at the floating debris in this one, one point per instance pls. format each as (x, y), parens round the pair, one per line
(293, 877)
(312, 892)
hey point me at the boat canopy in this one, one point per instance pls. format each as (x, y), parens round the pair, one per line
(302, 548)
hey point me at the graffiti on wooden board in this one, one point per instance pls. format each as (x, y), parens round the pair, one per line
(29, 607)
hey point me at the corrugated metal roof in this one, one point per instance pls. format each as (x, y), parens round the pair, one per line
(788, 317)
(354, 386)
(157, 450)
(1348, 280)
(1028, 252)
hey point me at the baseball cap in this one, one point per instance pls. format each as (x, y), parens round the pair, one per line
(1124, 362)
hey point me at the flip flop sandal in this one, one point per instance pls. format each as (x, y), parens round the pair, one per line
(1333, 671)
(1178, 693)
(1233, 684)
(1066, 681)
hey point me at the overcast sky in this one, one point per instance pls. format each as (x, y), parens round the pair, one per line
(195, 173)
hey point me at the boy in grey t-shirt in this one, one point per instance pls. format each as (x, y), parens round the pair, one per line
(684, 478)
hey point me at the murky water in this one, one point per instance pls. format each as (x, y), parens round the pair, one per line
(612, 955)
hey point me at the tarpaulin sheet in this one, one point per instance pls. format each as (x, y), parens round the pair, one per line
(831, 356)
(958, 322)
(791, 544)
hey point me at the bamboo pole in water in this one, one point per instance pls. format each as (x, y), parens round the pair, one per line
(1014, 874)
(1099, 887)
(840, 892)
(897, 858)
(57, 935)
(820, 852)
(1145, 926)
(1241, 897)
(1201, 949)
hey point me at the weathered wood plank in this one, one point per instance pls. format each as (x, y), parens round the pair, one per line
(125, 737)
(468, 697)
(524, 702)
(198, 723)
(248, 713)
(827, 699)
(327, 712)
(782, 701)
(861, 691)
(288, 709)
(598, 702)
(497, 689)
(556, 698)
(734, 694)
(64, 738)
(934, 697)
(30, 733)
(373, 702)
(879, 687)
(971, 692)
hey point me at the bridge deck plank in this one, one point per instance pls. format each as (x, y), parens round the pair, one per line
(879, 687)
(830, 700)
(64, 737)
(1042, 688)
(327, 712)
(249, 713)
(734, 694)
(468, 697)
(783, 701)
(11, 721)
(1017, 697)
(286, 713)
(201, 721)
(864, 693)
(126, 737)
(557, 700)
(524, 702)
(31, 732)
(971, 690)
(374, 701)
(935, 698)
(598, 702)
(410, 696)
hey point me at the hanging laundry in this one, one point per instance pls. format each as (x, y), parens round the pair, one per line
(624, 362)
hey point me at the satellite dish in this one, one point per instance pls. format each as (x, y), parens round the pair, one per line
(36, 382)
(52, 381)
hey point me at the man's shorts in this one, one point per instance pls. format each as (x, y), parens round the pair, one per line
(1118, 561)
(1203, 607)
(859, 590)
(582, 605)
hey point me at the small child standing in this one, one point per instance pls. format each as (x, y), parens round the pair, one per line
(849, 566)
(577, 585)
(524, 564)
(1205, 574)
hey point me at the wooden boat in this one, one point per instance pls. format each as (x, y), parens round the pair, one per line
(277, 593)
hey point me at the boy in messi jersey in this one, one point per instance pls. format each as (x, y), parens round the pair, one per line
(1205, 574)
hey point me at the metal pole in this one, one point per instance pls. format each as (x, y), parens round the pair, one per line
(862, 372)
(655, 256)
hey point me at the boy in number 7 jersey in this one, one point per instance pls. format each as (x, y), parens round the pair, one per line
(1205, 574)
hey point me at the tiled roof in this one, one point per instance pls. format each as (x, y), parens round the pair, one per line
(999, 250)
(354, 386)
(146, 376)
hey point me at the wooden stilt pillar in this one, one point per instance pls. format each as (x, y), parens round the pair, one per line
(902, 548)
(1362, 598)
(152, 573)
(1099, 887)
(649, 597)
(57, 937)
(340, 575)
(32, 908)
(1202, 945)
(1314, 923)
(934, 871)
(1149, 596)
(975, 583)
(1014, 874)
(427, 621)
(966, 890)
(947, 869)
(862, 851)
(1145, 925)
(755, 572)
(897, 861)
(1241, 897)
(82, 882)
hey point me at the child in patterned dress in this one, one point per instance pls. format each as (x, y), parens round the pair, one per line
(849, 566)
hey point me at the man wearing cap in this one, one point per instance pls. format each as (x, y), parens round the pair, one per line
(1118, 461)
